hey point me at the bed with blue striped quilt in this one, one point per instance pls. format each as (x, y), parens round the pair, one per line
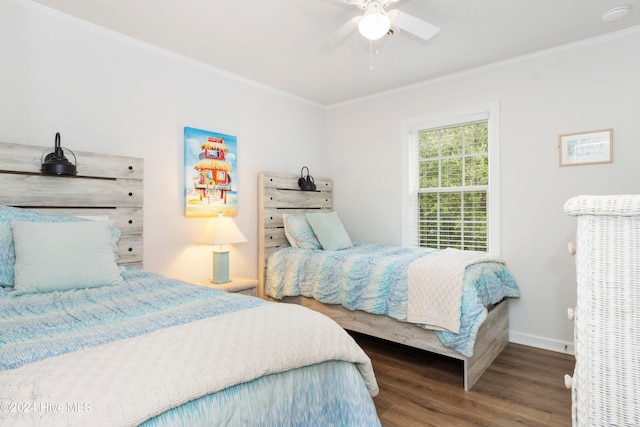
(373, 278)
(40, 329)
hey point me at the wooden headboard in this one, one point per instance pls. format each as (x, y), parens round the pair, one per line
(105, 185)
(278, 194)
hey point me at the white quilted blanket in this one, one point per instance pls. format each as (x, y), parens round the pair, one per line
(434, 287)
(127, 382)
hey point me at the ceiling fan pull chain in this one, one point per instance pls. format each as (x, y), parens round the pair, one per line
(370, 55)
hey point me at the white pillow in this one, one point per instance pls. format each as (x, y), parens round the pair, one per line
(64, 255)
(94, 217)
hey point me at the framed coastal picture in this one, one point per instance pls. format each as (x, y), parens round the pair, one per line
(586, 148)
(211, 170)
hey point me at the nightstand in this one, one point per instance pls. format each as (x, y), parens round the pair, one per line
(240, 285)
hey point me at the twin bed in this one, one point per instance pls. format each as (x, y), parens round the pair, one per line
(374, 289)
(86, 341)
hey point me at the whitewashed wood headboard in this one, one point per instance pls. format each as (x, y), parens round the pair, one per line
(277, 194)
(105, 185)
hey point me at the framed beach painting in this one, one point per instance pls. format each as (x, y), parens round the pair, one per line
(211, 170)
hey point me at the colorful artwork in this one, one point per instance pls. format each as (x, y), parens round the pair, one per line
(210, 164)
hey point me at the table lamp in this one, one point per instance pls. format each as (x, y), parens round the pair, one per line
(218, 232)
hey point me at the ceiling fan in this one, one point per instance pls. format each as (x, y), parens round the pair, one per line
(376, 22)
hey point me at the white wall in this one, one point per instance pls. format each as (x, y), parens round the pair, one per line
(588, 86)
(108, 94)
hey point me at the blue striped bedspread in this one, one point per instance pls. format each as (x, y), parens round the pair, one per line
(41, 325)
(35, 327)
(373, 278)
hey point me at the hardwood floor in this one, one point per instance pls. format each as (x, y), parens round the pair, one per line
(523, 387)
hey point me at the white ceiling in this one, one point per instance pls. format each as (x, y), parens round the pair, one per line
(282, 43)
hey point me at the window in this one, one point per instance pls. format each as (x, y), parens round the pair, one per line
(453, 190)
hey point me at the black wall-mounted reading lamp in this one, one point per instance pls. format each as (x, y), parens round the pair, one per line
(306, 183)
(55, 163)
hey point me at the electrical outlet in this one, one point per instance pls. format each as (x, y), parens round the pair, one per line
(566, 347)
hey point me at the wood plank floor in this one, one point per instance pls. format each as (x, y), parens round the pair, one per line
(523, 387)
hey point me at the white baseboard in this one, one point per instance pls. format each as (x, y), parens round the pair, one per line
(541, 342)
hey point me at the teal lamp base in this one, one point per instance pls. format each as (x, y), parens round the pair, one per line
(220, 267)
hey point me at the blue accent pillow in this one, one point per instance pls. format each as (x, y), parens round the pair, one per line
(329, 230)
(7, 255)
(299, 232)
(9, 214)
(64, 255)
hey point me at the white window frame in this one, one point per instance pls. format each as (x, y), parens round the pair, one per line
(490, 112)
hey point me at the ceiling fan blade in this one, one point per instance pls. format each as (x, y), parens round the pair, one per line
(341, 34)
(413, 25)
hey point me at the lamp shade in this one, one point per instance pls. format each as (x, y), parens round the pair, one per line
(220, 231)
(375, 23)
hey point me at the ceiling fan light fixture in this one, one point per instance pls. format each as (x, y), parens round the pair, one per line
(375, 23)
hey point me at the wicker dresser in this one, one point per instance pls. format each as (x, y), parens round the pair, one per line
(606, 381)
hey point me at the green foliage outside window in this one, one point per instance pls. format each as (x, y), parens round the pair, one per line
(454, 177)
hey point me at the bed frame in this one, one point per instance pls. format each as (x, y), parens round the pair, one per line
(105, 185)
(278, 194)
